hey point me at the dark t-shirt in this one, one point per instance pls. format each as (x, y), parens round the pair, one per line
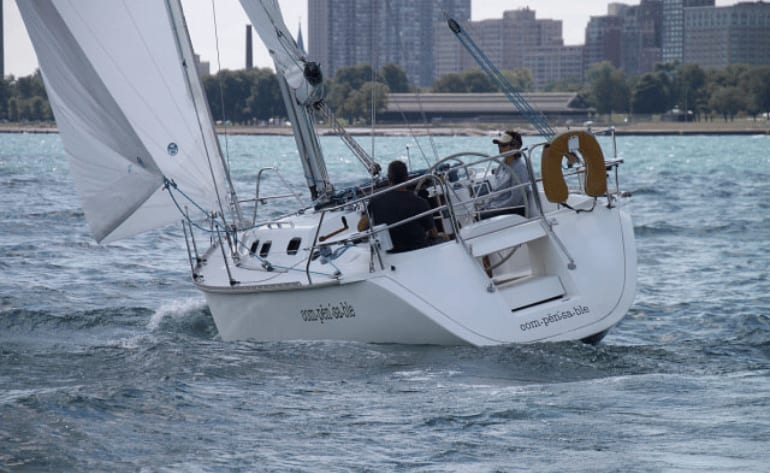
(395, 206)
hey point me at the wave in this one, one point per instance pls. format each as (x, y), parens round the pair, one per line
(19, 320)
(187, 316)
(663, 228)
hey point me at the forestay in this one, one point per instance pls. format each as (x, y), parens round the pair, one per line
(123, 86)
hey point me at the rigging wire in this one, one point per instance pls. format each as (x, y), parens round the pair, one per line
(195, 88)
(401, 49)
(219, 82)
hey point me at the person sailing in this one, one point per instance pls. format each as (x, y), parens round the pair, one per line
(511, 174)
(397, 205)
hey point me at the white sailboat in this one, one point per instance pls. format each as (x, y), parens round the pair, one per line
(134, 120)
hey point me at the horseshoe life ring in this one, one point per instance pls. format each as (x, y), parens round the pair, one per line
(551, 168)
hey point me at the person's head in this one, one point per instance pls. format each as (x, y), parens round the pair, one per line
(397, 172)
(508, 140)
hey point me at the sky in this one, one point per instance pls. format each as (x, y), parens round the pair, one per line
(20, 58)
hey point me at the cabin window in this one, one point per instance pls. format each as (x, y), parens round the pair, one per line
(293, 246)
(253, 247)
(263, 252)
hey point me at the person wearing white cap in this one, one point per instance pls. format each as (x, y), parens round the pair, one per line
(511, 173)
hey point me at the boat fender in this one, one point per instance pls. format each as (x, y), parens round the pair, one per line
(551, 168)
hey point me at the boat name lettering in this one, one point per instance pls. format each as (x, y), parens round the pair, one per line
(322, 313)
(549, 319)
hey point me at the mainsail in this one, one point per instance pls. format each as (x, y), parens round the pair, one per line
(122, 82)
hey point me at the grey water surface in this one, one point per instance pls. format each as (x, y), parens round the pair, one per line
(110, 361)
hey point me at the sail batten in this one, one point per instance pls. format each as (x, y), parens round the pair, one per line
(125, 111)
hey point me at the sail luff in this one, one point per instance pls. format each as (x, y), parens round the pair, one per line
(212, 147)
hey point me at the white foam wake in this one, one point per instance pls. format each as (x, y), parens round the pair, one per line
(175, 309)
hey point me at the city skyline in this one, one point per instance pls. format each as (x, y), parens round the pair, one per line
(20, 60)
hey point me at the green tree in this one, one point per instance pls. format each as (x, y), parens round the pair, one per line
(566, 85)
(477, 81)
(395, 78)
(609, 91)
(727, 101)
(354, 76)
(5, 95)
(265, 100)
(690, 86)
(37, 109)
(520, 79)
(650, 94)
(13, 109)
(31, 86)
(358, 105)
(25, 110)
(451, 83)
(346, 94)
(757, 84)
(474, 81)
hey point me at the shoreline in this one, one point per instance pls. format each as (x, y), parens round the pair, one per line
(742, 127)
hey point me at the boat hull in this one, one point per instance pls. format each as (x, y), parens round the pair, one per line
(441, 295)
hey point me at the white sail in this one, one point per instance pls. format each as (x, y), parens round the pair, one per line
(289, 59)
(121, 80)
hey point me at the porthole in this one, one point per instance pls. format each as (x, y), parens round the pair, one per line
(265, 250)
(293, 246)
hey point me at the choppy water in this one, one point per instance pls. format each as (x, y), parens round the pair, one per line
(110, 361)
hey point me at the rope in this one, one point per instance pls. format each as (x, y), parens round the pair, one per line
(536, 119)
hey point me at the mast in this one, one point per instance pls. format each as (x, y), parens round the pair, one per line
(307, 143)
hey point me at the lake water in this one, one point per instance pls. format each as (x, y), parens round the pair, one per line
(110, 361)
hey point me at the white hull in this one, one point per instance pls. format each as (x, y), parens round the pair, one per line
(441, 294)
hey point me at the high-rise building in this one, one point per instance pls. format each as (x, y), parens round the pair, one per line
(603, 40)
(673, 27)
(249, 48)
(718, 37)
(350, 32)
(2, 45)
(641, 37)
(517, 40)
(551, 64)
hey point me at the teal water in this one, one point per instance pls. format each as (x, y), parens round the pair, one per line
(109, 359)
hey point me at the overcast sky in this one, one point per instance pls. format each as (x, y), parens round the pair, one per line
(20, 58)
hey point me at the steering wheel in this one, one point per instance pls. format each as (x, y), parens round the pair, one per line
(456, 158)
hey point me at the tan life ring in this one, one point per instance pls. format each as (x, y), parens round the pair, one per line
(551, 168)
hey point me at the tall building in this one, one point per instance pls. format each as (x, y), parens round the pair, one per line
(2, 45)
(350, 32)
(517, 40)
(673, 27)
(551, 64)
(249, 48)
(718, 37)
(603, 40)
(641, 37)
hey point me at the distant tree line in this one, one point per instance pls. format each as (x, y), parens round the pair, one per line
(707, 94)
(24, 99)
(253, 96)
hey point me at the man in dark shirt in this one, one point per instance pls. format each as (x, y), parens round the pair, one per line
(397, 205)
